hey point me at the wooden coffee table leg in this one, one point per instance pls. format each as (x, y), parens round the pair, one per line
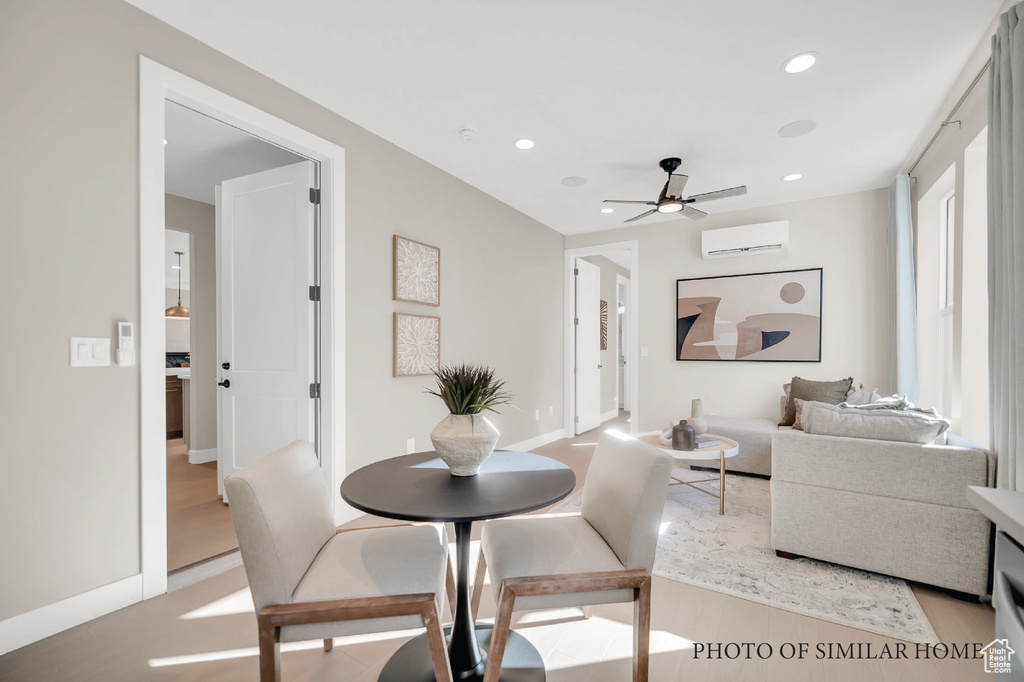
(721, 492)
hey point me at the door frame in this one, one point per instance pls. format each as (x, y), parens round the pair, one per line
(632, 323)
(158, 83)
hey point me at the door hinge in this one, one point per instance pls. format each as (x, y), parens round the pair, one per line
(575, 271)
(575, 320)
(314, 292)
(314, 390)
(576, 420)
(314, 196)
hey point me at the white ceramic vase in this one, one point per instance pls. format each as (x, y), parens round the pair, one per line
(697, 420)
(464, 441)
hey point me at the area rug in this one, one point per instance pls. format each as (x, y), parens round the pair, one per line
(731, 554)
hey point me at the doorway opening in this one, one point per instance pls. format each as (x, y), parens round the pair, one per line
(601, 289)
(302, 336)
(202, 155)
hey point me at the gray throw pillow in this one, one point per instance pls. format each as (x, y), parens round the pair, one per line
(831, 392)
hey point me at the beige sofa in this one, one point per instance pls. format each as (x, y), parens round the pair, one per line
(884, 506)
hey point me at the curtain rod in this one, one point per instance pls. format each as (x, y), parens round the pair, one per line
(952, 113)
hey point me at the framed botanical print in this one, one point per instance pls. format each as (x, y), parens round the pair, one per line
(417, 269)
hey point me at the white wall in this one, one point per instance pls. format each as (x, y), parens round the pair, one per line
(69, 474)
(845, 235)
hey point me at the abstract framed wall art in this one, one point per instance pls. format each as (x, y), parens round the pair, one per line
(417, 272)
(417, 345)
(759, 317)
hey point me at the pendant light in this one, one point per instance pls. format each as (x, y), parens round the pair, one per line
(178, 310)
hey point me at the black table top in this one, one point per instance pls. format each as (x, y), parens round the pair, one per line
(420, 487)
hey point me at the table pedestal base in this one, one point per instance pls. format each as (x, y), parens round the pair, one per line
(412, 663)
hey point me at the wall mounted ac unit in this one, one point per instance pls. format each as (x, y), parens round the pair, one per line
(745, 240)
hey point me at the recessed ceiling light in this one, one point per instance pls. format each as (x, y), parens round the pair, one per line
(791, 177)
(797, 128)
(467, 134)
(524, 143)
(574, 181)
(800, 62)
(607, 210)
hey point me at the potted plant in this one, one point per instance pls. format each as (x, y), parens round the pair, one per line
(465, 438)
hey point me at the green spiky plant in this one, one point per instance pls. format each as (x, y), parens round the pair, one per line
(469, 389)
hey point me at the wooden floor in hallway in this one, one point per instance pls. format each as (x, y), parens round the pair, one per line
(198, 522)
(208, 632)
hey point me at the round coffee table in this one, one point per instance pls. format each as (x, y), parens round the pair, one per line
(420, 487)
(716, 453)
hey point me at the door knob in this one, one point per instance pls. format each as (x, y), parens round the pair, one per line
(226, 383)
(226, 365)
(599, 366)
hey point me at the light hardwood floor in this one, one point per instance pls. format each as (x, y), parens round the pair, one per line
(198, 522)
(208, 632)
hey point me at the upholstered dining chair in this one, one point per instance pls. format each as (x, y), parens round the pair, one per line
(602, 556)
(309, 581)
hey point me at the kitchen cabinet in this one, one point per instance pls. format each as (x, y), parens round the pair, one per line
(173, 400)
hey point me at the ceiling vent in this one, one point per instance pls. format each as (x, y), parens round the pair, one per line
(745, 240)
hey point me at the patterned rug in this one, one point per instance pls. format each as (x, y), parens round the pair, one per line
(731, 554)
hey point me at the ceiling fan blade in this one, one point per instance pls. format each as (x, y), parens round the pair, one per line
(720, 194)
(622, 201)
(642, 215)
(693, 213)
(676, 183)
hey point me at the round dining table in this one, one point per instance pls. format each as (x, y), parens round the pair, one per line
(420, 487)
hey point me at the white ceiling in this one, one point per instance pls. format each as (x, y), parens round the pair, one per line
(201, 153)
(608, 89)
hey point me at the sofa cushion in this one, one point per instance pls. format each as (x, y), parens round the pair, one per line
(831, 392)
(907, 426)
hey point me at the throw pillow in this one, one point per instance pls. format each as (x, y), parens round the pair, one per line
(862, 396)
(798, 420)
(831, 392)
(908, 426)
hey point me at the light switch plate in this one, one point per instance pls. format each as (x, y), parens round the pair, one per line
(643, 351)
(89, 351)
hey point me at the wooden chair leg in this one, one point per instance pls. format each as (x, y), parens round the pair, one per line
(642, 631)
(478, 584)
(499, 635)
(449, 585)
(438, 648)
(328, 645)
(588, 611)
(270, 652)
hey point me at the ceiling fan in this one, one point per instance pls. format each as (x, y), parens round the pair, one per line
(671, 198)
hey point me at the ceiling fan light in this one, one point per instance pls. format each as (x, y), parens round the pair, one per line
(670, 207)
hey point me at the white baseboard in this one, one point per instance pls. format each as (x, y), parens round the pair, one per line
(207, 569)
(536, 442)
(48, 620)
(609, 415)
(202, 456)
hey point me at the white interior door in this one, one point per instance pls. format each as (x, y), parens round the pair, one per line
(265, 320)
(588, 346)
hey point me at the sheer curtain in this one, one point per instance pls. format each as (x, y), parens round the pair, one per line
(903, 285)
(1006, 246)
